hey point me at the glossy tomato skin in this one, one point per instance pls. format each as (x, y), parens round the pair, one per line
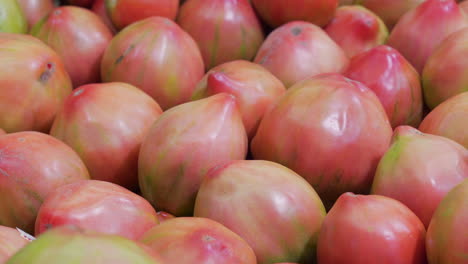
(275, 210)
(33, 84)
(417, 22)
(224, 30)
(67, 244)
(79, 37)
(10, 242)
(32, 165)
(125, 12)
(394, 80)
(356, 29)
(449, 119)
(96, 205)
(157, 56)
(198, 240)
(446, 240)
(254, 87)
(278, 12)
(35, 10)
(371, 229)
(445, 73)
(105, 124)
(183, 144)
(299, 50)
(330, 130)
(441, 165)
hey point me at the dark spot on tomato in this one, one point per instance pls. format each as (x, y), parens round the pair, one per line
(121, 57)
(47, 73)
(207, 238)
(296, 31)
(57, 12)
(369, 22)
(48, 226)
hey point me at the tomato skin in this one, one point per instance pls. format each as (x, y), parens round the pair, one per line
(448, 119)
(224, 30)
(125, 12)
(32, 165)
(183, 144)
(254, 87)
(10, 242)
(356, 29)
(69, 243)
(330, 130)
(35, 10)
(255, 197)
(40, 80)
(96, 205)
(299, 50)
(157, 56)
(371, 229)
(446, 240)
(390, 11)
(80, 37)
(99, 8)
(278, 12)
(394, 80)
(198, 240)
(164, 216)
(464, 6)
(419, 21)
(444, 75)
(412, 172)
(12, 19)
(105, 124)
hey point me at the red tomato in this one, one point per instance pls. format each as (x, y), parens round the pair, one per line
(363, 229)
(419, 170)
(125, 12)
(447, 240)
(187, 240)
(275, 210)
(330, 130)
(105, 124)
(96, 205)
(80, 37)
(449, 119)
(32, 165)
(278, 12)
